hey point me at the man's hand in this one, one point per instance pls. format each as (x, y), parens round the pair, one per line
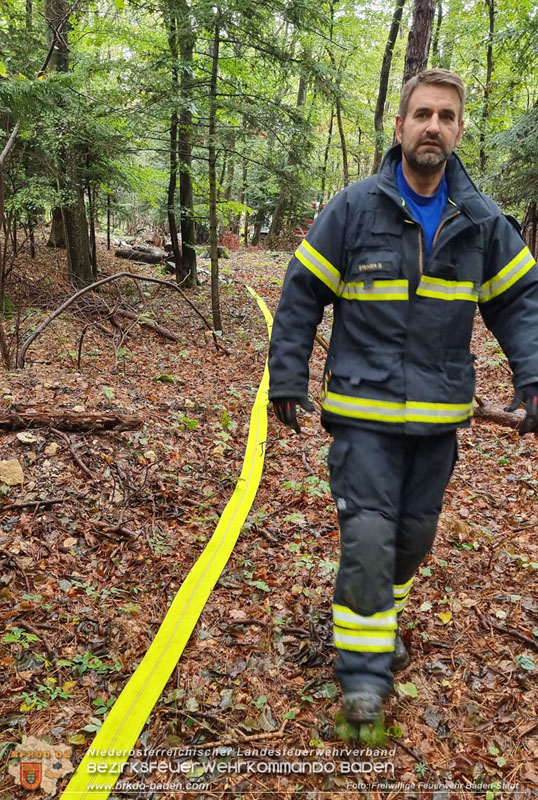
(529, 396)
(285, 409)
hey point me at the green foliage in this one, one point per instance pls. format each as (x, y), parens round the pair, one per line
(114, 105)
(21, 637)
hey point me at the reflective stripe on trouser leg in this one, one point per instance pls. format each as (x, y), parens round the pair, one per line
(364, 614)
(401, 595)
(372, 634)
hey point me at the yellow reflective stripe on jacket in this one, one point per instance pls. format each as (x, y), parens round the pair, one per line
(319, 266)
(437, 412)
(378, 290)
(363, 408)
(447, 290)
(346, 618)
(512, 272)
(364, 641)
(386, 411)
(401, 594)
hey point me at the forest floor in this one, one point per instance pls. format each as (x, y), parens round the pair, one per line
(86, 583)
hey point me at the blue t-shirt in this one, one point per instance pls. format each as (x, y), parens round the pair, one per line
(427, 211)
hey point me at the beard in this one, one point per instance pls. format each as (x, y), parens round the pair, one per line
(426, 161)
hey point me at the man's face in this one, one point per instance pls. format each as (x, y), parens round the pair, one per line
(431, 128)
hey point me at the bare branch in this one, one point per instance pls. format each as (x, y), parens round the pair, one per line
(108, 279)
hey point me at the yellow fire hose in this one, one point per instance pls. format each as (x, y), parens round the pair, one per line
(102, 765)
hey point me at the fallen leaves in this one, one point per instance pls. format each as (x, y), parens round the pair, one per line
(105, 595)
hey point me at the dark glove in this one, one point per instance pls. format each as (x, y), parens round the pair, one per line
(529, 396)
(285, 409)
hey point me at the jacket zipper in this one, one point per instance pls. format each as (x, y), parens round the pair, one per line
(443, 223)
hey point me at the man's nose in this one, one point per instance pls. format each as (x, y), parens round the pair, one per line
(433, 124)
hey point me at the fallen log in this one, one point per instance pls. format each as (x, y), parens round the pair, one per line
(151, 325)
(68, 421)
(136, 254)
(166, 333)
(496, 414)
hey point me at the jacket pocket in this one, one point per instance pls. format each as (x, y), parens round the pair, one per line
(371, 264)
(469, 270)
(373, 367)
(460, 374)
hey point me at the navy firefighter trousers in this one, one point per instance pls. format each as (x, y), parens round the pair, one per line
(388, 491)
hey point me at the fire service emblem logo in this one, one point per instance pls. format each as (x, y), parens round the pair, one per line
(31, 773)
(38, 764)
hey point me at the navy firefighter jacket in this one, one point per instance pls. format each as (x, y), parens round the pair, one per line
(399, 357)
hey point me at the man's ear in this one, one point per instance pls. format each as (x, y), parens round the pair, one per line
(399, 124)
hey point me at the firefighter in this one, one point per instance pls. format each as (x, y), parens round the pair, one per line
(404, 257)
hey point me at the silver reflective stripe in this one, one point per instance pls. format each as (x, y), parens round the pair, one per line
(379, 290)
(386, 411)
(447, 290)
(319, 265)
(400, 590)
(387, 640)
(438, 411)
(349, 619)
(363, 407)
(401, 594)
(512, 272)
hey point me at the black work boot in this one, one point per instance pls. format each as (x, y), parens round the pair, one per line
(401, 658)
(363, 705)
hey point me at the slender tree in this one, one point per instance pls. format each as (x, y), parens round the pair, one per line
(288, 178)
(383, 84)
(490, 5)
(213, 219)
(70, 182)
(418, 43)
(174, 121)
(186, 135)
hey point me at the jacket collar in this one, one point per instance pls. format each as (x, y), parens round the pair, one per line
(461, 188)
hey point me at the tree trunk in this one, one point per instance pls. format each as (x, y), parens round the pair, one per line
(75, 224)
(287, 183)
(73, 215)
(57, 233)
(31, 235)
(256, 233)
(436, 55)
(172, 180)
(213, 222)
(326, 161)
(228, 179)
(418, 43)
(487, 86)
(529, 227)
(186, 132)
(3, 221)
(244, 187)
(108, 216)
(93, 242)
(343, 144)
(383, 84)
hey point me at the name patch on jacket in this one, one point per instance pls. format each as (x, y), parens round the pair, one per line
(369, 267)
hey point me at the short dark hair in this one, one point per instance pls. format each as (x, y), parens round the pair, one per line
(439, 77)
